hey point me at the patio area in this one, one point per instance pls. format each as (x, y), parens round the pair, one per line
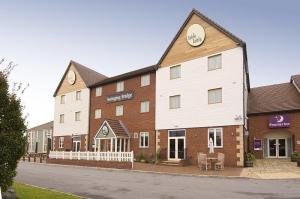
(190, 170)
(272, 169)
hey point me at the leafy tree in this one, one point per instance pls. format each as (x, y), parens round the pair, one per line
(12, 128)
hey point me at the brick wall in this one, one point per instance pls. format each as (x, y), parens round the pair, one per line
(134, 121)
(68, 142)
(90, 163)
(197, 141)
(258, 127)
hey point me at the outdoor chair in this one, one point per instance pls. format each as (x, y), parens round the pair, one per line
(219, 165)
(202, 161)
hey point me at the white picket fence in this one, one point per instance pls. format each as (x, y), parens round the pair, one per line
(97, 156)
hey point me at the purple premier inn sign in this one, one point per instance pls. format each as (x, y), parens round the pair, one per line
(279, 121)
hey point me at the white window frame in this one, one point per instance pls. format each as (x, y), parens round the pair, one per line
(143, 135)
(215, 102)
(61, 142)
(214, 68)
(62, 118)
(62, 99)
(120, 86)
(78, 95)
(99, 91)
(215, 135)
(99, 115)
(175, 77)
(77, 116)
(146, 105)
(117, 110)
(145, 80)
(170, 106)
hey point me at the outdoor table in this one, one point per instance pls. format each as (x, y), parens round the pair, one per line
(211, 159)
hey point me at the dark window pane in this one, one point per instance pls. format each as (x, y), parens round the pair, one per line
(146, 141)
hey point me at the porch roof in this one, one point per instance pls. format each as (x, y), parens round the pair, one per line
(118, 127)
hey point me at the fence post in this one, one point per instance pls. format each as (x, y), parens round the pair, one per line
(63, 155)
(70, 155)
(131, 159)
(87, 155)
(55, 154)
(78, 155)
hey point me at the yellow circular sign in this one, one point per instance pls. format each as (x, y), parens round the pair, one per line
(195, 35)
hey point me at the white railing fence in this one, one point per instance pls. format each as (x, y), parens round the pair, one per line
(98, 156)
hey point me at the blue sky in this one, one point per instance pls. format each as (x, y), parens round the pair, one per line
(113, 37)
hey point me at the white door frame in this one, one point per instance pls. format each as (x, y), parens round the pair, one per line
(277, 147)
(75, 142)
(176, 145)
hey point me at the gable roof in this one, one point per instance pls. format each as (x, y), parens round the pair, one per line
(117, 126)
(125, 75)
(218, 27)
(47, 125)
(296, 79)
(88, 75)
(273, 98)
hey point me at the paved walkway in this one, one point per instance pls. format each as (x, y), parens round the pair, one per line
(110, 184)
(273, 169)
(191, 170)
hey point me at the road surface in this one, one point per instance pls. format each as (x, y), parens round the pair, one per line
(109, 184)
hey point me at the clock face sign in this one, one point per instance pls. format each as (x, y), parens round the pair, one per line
(71, 77)
(195, 35)
(105, 131)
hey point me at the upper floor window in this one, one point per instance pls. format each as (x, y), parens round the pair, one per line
(214, 62)
(78, 95)
(119, 110)
(174, 102)
(216, 134)
(98, 91)
(144, 139)
(61, 118)
(175, 72)
(77, 116)
(61, 142)
(63, 99)
(145, 80)
(215, 96)
(97, 113)
(120, 86)
(144, 106)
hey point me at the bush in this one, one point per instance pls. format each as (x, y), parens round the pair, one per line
(157, 155)
(295, 154)
(141, 157)
(249, 157)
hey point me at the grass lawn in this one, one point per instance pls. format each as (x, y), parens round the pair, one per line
(30, 192)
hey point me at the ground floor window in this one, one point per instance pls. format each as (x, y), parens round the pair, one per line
(144, 139)
(61, 142)
(216, 134)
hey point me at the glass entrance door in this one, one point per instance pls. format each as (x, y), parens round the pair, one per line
(277, 148)
(176, 145)
(76, 146)
(281, 148)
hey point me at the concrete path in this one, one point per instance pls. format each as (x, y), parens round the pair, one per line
(108, 184)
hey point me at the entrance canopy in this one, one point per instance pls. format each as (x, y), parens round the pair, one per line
(112, 136)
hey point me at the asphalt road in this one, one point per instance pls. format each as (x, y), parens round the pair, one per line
(108, 184)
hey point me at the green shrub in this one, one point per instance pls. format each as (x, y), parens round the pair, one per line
(295, 154)
(157, 155)
(141, 157)
(249, 156)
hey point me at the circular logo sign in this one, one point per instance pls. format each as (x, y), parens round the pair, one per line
(71, 77)
(105, 130)
(195, 35)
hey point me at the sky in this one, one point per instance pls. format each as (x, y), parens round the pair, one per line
(113, 37)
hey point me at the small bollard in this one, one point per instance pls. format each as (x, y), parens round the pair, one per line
(41, 159)
(29, 158)
(23, 158)
(34, 158)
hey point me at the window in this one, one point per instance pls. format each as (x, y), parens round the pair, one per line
(216, 134)
(61, 142)
(174, 102)
(120, 86)
(144, 106)
(144, 139)
(214, 62)
(61, 118)
(63, 99)
(175, 72)
(215, 96)
(145, 80)
(78, 95)
(77, 116)
(97, 113)
(119, 110)
(98, 91)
